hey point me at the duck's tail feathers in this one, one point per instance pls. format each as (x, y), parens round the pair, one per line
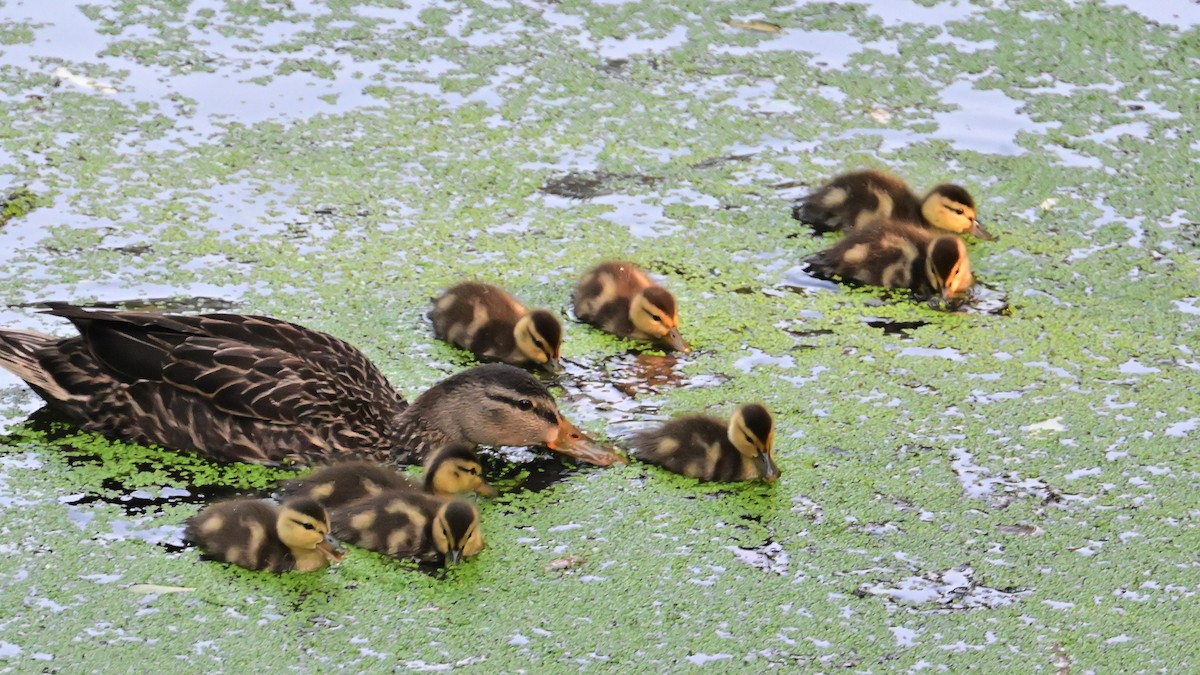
(19, 355)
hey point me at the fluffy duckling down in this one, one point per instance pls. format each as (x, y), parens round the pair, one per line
(491, 324)
(618, 297)
(451, 471)
(411, 524)
(895, 254)
(710, 449)
(854, 200)
(257, 535)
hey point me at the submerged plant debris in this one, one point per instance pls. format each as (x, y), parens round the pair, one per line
(1009, 486)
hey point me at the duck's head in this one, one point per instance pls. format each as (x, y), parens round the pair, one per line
(947, 266)
(539, 337)
(752, 432)
(456, 531)
(499, 404)
(454, 470)
(653, 312)
(950, 207)
(303, 525)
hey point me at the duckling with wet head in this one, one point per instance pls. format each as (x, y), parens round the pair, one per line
(895, 254)
(709, 449)
(255, 534)
(619, 298)
(408, 524)
(854, 200)
(491, 324)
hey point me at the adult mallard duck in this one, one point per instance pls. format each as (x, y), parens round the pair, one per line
(619, 298)
(491, 324)
(257, 535)
(895, 254)
(254, 389)
(857, 199)
(707, 448)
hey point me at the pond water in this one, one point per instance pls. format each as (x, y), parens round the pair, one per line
(1005, 485)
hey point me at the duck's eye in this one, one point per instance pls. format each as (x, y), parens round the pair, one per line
(525, 404)
(958, 211)
(656, 317)
(308, 526)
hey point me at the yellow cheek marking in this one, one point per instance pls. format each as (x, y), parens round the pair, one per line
(834, 198)
(856, 254)
(212, 524)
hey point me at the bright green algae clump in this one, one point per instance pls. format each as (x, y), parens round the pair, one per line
(977, 490)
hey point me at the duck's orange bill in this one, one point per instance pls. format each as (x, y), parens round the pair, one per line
(573, 443)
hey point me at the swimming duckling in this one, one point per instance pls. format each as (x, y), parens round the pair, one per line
(709, 449)
(895, 254)
(448, 472)
(619, 298)
(490, 323)
(255, 534)
(857, 199)
(407, 524)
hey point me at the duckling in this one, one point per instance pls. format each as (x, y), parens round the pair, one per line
(407, 524)
(451, 471)
(255, 534)
(709, 449)
(619, 298)
(236, 387)
(490, 323)
(896, 254)
(856, 199)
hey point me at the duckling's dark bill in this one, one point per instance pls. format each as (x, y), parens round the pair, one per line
(573, 443)
(332, 549)
(980, 232)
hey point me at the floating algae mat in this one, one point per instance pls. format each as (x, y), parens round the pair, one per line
(1010, 486)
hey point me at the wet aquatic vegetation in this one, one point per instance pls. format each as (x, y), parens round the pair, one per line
(359, 158)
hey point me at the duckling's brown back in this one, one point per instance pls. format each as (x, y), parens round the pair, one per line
(603, 295)
(241, 532)
(393, 522)
(463, 314)
(887, 253)
(854, 200)
(344, 482)
(695, 446)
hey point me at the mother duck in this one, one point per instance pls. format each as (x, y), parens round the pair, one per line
(235, 387)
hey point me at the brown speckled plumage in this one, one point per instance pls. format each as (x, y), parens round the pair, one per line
(233, 387)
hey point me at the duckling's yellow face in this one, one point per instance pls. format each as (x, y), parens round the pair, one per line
(752, 432)
(951, 208)
(948, 268)
(456, 476)
(303, 525)
(539, 337)
(456, 531)
(654, 316)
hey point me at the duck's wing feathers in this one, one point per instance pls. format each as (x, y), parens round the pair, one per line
(250, 366)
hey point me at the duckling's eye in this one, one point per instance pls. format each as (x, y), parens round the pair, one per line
(958, 211)
(307, 526)
(525, 404)
(656, 317)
